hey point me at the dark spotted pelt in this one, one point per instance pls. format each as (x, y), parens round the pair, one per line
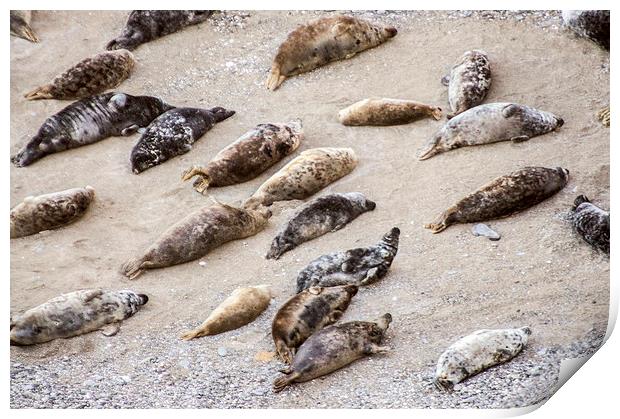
(591, 222)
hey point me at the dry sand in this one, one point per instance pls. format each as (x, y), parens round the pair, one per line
(440, 287)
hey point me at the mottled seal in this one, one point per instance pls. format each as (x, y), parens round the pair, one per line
(305, 175)
(591, 222)
(249, 156)
(88, 121)
(383, 112)
(172, 134)
(196, 235)
(469, 81)
(91, 76)
(490, 123)
(477, 352)
(74, 314)
(243, 306)
(307, 312)
(333, 348)
(317, 217)
(603, 115)
(49, 211)
(322, 41)
(146, 25)
(504, 196)
(20, 25)
(592, 24)
(360, 266)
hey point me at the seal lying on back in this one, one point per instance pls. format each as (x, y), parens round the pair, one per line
(305, 175)
(592, 24)
(317, 217)
(322, 41)
(384, 112)
(88, 121)
(49, 211)
(333, 348)
(74, 314)
(504, 196)
(91, 76)
(20, 25)
(469, 81)
(146, 25)
(477, 352)
(196, 235)
(242, 307)
(490, 123)
(305, 313)
(360, 266)
(591, 222)
(172, 134)
(253, 153)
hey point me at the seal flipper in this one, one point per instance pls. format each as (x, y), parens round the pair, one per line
(130, 130)
(510, 110)
(133, 268)
(445, 80)
(111, 329)
(275, 78)
(280, 383)
(519, 139)
(42, 92)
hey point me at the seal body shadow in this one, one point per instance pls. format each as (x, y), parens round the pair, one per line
(591, 222)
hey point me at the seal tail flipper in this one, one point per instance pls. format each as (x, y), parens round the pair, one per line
(42, 92)
(430, 148)
(26, 32)
(280, 383)
(440, 224)
(202, 183)
(111, 329)
(436, 113)
(193, 334)
(133, 268)
(284, 352)
(275, 78)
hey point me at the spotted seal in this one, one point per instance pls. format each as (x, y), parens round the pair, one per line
(469, 81)
(88, 121)
(591, 222)
(490, 123)
(20, 25)
(74, 314)
(172, 134)
(317, 217)
(504, 196)
(591, 24)
(333, 348)
(477, 352)
(322, 41)
(253, 153)
(49, 211)
(383, 112)
(305, 313)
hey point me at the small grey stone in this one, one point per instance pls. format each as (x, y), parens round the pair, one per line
(485, 231)
(221, 351)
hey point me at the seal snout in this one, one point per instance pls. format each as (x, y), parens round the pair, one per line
(143, 299)
(351, 289)
(371, 205)
(391, 31)
(559, 121)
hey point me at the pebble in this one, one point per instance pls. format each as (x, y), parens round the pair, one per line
(485, 231)
(221, 351)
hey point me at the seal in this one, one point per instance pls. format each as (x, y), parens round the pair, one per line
(20, 25)
(196, 235)
(319, 216)
(333, 348)
(469, 81)
(490, 123)
(383, 112)
(305, 313)
(253, 153)
(243, 306)
(591, 24)
(504, 196)
(88, 121)
(477, 352)
(305, 175)
(74, 314)
(591, 222)
(360, 266)
(91, 76)
(49, 211)
(172, 134)
(146, 25)
(322, 41)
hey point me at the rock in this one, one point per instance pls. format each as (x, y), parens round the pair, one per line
(485, 231)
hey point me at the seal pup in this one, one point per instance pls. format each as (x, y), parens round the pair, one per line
(146, 25)
(172, 134)
(333, 348)
(305, 175)
(88, 121)
(591, 24)
(305, 313)
(253, 153)
(477, 352)
(383, 112)
(243, 306)
(196, 235)
(91, 76)
(504, 196)
(319, 216)
(490, 123)
(49, 211)
(74, 314)
(591, 222)
(469, 81)
(360, 266)
(20, 25)
(322, 41)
